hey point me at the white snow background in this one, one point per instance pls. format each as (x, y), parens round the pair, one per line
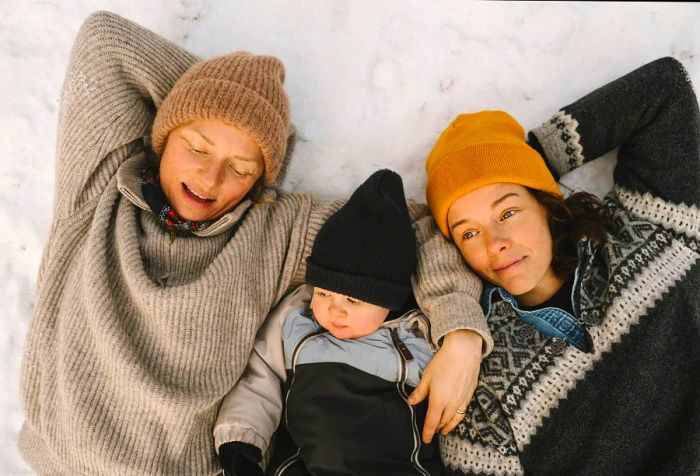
(372, 83)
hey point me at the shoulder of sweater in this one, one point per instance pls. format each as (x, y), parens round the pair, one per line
(295, 197)
(285, 205)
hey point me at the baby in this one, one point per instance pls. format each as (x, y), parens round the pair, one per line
(348, 347)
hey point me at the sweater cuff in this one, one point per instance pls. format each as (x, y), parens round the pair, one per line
(242, 434)
(559, 143)
(459, 311)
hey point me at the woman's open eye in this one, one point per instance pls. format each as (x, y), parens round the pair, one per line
(467, 235)
(508, 214)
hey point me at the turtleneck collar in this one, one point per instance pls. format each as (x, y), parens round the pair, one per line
(130, 180)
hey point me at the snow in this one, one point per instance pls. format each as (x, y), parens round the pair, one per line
(371, 84)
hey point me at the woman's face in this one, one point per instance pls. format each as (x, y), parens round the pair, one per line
(502, 232)
(207, 168)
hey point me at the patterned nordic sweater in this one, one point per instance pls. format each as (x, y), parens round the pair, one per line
(134, 339)
(632, 405)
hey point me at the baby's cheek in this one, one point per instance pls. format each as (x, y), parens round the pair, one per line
(320, 317)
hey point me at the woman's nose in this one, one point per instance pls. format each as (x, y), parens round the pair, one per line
(496, 241)
(212, 173)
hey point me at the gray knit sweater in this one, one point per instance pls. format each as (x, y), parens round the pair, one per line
(135, 339)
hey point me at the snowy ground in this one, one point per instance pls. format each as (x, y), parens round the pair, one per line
(372, 83)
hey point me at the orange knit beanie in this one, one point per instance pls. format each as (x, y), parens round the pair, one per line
(480, 149)
(241, 89)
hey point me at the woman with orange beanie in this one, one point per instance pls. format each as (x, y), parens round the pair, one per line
(594, 307)
(169, 245)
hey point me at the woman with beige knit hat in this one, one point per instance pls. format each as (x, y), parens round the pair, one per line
(594, 307)
(169, 246)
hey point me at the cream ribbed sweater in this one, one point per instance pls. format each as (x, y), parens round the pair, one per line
(135, 339)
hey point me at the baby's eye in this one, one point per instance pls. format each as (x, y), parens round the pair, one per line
(353, 301)
(508, 214)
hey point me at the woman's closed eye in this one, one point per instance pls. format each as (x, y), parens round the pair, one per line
(193, 148)
(235, 171)
(240, 172)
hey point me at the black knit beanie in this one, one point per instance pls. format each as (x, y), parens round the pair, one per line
(367, 249)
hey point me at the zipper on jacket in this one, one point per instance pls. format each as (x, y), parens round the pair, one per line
(302, 341)
(403, 353)
(401, 347)
(287, 463)
(585, 250)
(295, 354)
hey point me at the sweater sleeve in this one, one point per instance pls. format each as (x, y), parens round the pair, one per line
(651, 114)
(251, 411)
(118, 74)
(446, 290)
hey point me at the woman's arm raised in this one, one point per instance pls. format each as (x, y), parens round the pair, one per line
(118, 74)
(651, 114)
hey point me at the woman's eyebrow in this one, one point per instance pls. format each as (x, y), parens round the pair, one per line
(203, 136)
(460, 222)
(493, 205)
(247, 159)
(507, 195)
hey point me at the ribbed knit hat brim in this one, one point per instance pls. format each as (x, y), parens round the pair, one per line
(239, 89)
(365, 288)
(367, 249)
(481, 149)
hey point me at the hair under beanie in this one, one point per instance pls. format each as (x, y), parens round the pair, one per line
(367, 249)
(481, 149)
(241, 89)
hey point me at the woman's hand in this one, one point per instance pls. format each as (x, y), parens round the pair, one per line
(450, 380)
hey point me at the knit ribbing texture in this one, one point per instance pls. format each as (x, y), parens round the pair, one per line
(135, 339)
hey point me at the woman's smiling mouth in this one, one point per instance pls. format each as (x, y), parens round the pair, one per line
(194, 199)
(509, 267)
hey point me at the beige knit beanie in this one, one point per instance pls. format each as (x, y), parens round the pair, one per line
(241, 89)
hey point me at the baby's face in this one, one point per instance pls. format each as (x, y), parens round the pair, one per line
(345, 317)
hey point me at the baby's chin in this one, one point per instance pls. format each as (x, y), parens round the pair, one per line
(341, 334)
